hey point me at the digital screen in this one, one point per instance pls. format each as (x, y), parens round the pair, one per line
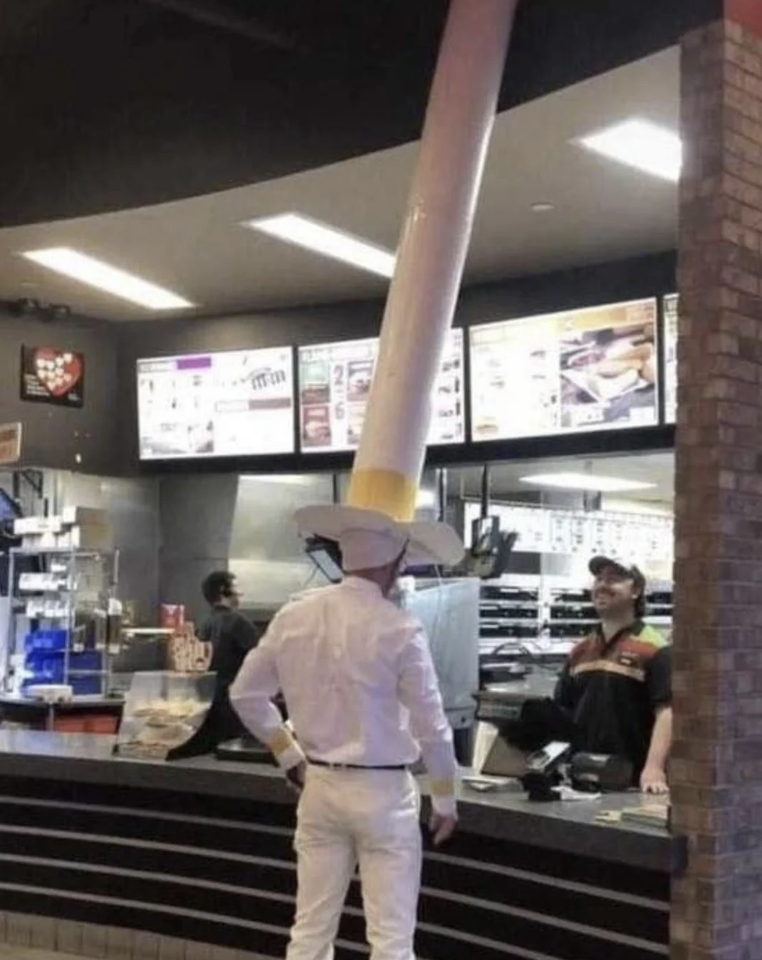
(238, 403)
(670, 358)
(334, 384)
(580, 370)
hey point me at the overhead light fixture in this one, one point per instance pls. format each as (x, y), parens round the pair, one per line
(102, 276)
(585, 481)
(322, 238)
(425, 498)
(543, 206)
(640, 144)
(281, 479)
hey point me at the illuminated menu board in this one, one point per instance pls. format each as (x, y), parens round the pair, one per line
(670, 358)
(569, 372)
(216, 404)
(334, 384)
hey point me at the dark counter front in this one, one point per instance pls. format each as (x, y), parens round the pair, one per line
(201, 850)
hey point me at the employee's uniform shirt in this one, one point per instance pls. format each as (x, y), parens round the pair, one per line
(232, 636)
(359, 683)
(613, 690)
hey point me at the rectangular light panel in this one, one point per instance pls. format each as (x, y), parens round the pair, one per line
(585, 481)
(326, 240)
(102, 276)
(640, 144)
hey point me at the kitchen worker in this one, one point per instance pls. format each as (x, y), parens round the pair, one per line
(364, 702)
(232, 636)
(617, 683)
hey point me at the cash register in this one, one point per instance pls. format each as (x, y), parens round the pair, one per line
(536, 746)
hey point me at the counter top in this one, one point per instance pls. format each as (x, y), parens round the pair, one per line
(75, 705)
(564, 826)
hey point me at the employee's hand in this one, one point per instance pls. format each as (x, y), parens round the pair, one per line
(442, 827)
(654, 780)
(295, 777)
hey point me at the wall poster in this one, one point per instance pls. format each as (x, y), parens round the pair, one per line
(49, 375)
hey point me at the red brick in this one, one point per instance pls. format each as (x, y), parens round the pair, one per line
(716, 770)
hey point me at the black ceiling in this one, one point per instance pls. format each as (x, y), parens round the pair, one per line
(106, 104)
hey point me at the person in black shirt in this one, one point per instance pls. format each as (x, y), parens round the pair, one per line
(231, 636)
(617, 683)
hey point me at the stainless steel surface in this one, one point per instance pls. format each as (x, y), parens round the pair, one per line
(266, 554)
(449, 611)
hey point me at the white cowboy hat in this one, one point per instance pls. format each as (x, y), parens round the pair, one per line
(424, 542)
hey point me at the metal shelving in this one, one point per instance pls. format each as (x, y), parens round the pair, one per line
(58, 618)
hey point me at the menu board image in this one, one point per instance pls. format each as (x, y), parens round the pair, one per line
(566, 372)
(229, 404)
(334, 385)
(670, 358)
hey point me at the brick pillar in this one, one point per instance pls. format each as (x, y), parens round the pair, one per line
(717, 758)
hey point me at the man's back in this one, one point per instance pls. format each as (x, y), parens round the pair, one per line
(339, 657)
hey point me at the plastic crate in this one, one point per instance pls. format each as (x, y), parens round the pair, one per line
(86, 660)
(46, 641)
(44, 668)
(86, 686)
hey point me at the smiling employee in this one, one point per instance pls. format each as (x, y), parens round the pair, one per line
(617, 683)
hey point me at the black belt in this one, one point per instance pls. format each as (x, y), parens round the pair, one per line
(353, 766)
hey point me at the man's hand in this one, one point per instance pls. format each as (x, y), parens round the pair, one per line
(295, 777)
(442, 827)
(653, 780)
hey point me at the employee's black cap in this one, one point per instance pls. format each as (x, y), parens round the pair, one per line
(599, 564)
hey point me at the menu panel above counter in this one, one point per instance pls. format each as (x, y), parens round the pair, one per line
(334, 385)
(670, 358)
(580, 370)
(238, 403)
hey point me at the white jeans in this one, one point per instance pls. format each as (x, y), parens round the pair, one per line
(351, 817)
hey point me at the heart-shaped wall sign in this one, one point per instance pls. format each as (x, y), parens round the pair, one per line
(58, 371)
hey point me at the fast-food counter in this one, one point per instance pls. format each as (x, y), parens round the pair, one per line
(200, 851)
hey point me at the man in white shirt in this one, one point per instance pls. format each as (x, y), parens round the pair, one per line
(364, 702)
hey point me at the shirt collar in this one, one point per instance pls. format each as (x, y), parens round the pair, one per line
(360, 583)
(634, 629)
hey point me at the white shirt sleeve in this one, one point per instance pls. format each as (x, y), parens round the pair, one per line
(251, 696)
(419, 693)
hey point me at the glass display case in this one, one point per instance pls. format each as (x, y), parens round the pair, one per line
(162, 711)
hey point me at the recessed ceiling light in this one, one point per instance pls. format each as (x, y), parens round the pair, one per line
(585, 481)
(640, 144)
(322, 238)
(102, 276)
(543, 207)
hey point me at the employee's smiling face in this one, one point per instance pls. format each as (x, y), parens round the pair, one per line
(613, 593)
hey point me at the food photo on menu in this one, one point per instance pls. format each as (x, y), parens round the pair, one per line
(609, 376)
(359, 379)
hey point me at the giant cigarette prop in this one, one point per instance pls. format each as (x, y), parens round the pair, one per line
(431, 255)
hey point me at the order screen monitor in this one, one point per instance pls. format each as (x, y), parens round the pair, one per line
(326, 555)
(484, 535)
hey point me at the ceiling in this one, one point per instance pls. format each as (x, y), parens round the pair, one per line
(655, 468)
(602, 211)
(112, 104)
